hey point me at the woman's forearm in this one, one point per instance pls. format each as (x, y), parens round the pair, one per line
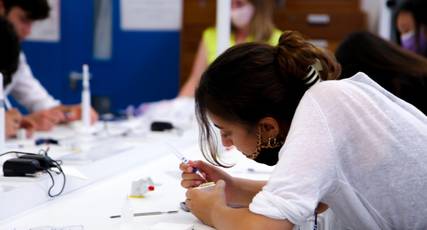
(228, 218)
(241, 191)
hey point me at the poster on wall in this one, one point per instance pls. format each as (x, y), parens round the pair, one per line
(140, 15)
(47, 30)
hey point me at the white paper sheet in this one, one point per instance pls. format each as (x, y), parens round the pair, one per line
(150, 14)
(47, 30)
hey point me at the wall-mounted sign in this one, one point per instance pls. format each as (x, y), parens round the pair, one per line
(47, 30)
(150, 14)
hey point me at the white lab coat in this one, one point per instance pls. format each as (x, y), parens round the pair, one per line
(27, 90)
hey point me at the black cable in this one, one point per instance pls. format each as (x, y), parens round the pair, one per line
(44, 152)
(53, 184)
(57, 164)
(18, 152)
(41, 152)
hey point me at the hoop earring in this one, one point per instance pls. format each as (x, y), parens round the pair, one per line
(272, 142)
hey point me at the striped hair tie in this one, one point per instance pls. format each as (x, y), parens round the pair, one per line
(313, 75)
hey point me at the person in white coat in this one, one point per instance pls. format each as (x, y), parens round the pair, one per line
(45, 111)
(9, 57)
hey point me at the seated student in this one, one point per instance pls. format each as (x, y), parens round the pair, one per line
(46, 112)
(346, 144)
(9, 56)
(411, 21)
(401, 72)
(251, 20)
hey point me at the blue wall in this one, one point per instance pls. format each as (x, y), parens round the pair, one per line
(144, 65)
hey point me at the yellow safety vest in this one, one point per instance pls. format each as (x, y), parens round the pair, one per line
(209, 40)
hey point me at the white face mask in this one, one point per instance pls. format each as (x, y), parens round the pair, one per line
(241, 17)
(407, 35)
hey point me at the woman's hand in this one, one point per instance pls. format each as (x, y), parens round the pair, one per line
(210, 207)
(12, 122)
(210, 172)
(29, 126)
(74, 112)
(239, 192)
(45, 120)
(202, 202)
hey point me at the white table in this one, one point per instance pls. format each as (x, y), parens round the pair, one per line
(90, 202)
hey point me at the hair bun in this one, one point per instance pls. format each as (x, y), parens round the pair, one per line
(292, 54)
(291, 39)
(295, 55)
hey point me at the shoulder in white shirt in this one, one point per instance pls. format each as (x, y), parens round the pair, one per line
(357, 148)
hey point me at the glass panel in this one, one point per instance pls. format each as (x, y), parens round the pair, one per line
(103, 36)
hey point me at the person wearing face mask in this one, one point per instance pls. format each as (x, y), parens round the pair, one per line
(399, 71)
(411, 22)
(251, 20)
(348, 145)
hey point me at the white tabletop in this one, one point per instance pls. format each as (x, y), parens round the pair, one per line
(101, 190)
(107, 163)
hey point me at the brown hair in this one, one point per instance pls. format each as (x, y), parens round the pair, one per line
(251, 81)
(34, 9)
(262, 25)
(400, 71)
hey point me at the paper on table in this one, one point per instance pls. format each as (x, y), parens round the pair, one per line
(73, 172)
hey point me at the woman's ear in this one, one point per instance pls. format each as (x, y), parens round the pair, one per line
(269, 127)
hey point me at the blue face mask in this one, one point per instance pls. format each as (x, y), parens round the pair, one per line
(410, 43)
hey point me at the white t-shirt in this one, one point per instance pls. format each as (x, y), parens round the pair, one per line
(357, 148)
(27, 90)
